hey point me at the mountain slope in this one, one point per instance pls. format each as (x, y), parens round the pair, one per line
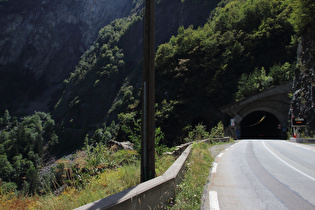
(46, 39)
(95, 91)
(204, 65)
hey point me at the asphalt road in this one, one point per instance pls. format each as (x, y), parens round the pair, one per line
(263, 174)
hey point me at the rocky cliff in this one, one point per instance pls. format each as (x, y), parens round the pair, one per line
(47, 37)
(303, 101)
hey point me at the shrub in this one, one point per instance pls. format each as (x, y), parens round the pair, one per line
(132, 127)
(217, 131)
(198, 133)
(95, 155)
(259, 80)
(250, 84)
(7, 187)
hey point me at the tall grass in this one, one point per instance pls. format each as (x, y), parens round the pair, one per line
(109, 182)
(189, 192)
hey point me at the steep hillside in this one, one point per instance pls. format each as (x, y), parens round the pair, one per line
(197, 69)
(42, 41)
(303, 101)
(204, 65)
(106, 80)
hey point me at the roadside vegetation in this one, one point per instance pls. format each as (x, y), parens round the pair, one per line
(94, 172)
(188, 193)
(246, 46)
(100, 169)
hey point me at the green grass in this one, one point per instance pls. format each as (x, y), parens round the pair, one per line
(107, 183)
(102, 184)
(189, 192)
(116, 179)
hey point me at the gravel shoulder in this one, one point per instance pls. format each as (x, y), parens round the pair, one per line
(216, 149)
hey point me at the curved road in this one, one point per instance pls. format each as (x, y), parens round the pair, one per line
(263, 174)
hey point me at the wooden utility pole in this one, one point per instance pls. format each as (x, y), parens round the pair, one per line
(148, 95)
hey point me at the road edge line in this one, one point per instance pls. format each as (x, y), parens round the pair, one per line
(213, 200)
(214, 168)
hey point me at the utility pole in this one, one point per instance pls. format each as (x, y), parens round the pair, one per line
(148, 95)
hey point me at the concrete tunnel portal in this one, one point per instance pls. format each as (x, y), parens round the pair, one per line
(260, 125)
(262, 116)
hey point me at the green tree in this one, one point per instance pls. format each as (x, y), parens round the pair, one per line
(282, 73)
(217, 131)
(257, 81)
(6, 117)
(32, 179)
(6, 169)
(253, 83)
(106, 133)
(302, 15)
(20, 166)
(132, 128)
(198, 133)
(23, 146)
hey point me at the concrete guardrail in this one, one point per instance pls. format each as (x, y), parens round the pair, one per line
(302, 140)
(152, 194)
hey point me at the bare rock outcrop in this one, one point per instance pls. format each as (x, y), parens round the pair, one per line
(303, 101)
(50, 37)
(46, 38)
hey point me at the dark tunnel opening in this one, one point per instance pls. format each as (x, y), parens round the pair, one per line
(260, 125)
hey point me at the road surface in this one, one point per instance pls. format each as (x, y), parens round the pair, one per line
(263, 174)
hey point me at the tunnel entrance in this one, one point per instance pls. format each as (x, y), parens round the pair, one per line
(261, 125)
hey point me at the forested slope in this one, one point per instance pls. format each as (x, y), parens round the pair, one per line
(204, 65)
(108, 77)
(197, 70)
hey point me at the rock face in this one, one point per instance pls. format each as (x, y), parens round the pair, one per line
(49, 36)
(303, 101)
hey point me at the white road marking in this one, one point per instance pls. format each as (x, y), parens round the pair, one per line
(214, 168)
(220, 155)
(297, 170)
(213, 200)
(303, 147)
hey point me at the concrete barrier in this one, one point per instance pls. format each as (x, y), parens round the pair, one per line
(152, 194)
(302, 140)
